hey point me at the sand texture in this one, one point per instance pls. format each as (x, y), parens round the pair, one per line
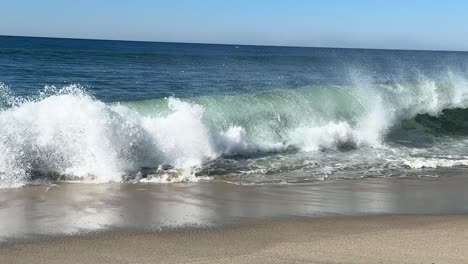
(378, 239)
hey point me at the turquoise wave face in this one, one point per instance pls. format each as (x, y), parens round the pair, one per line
(433, 107)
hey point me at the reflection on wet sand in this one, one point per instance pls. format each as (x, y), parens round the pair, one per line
(80, 208)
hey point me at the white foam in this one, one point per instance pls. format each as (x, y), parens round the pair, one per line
(420, 163)
(331, 135)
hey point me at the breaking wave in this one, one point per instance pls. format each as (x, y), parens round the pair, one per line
(67, 134)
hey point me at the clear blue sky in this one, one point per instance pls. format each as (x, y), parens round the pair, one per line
(400, 24)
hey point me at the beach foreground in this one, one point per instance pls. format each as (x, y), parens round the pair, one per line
(374, 220)
(371, 239)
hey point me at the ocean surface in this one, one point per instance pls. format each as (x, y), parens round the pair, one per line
(112, 111)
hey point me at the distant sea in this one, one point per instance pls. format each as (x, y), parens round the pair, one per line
(111, 111)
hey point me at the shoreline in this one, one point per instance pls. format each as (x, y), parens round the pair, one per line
(37, 212)
(356, 239)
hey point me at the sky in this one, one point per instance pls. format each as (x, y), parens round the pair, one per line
(391, 24)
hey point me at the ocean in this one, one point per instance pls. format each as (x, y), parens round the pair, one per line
(95, 111)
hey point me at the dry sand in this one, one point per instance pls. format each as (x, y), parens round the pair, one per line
(371, 239)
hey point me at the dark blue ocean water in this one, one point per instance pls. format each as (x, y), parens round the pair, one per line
(122, 70)
(165, 112)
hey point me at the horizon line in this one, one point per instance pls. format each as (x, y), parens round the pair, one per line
(227, 44)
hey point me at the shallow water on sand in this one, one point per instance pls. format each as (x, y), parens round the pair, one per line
(77, 209)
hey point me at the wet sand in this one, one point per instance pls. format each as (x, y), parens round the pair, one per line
(384, 239)
(388, 220)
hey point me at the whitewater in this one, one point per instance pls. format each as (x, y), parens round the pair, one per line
(278, 136)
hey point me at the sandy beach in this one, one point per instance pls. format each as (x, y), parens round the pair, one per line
(382, 239)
